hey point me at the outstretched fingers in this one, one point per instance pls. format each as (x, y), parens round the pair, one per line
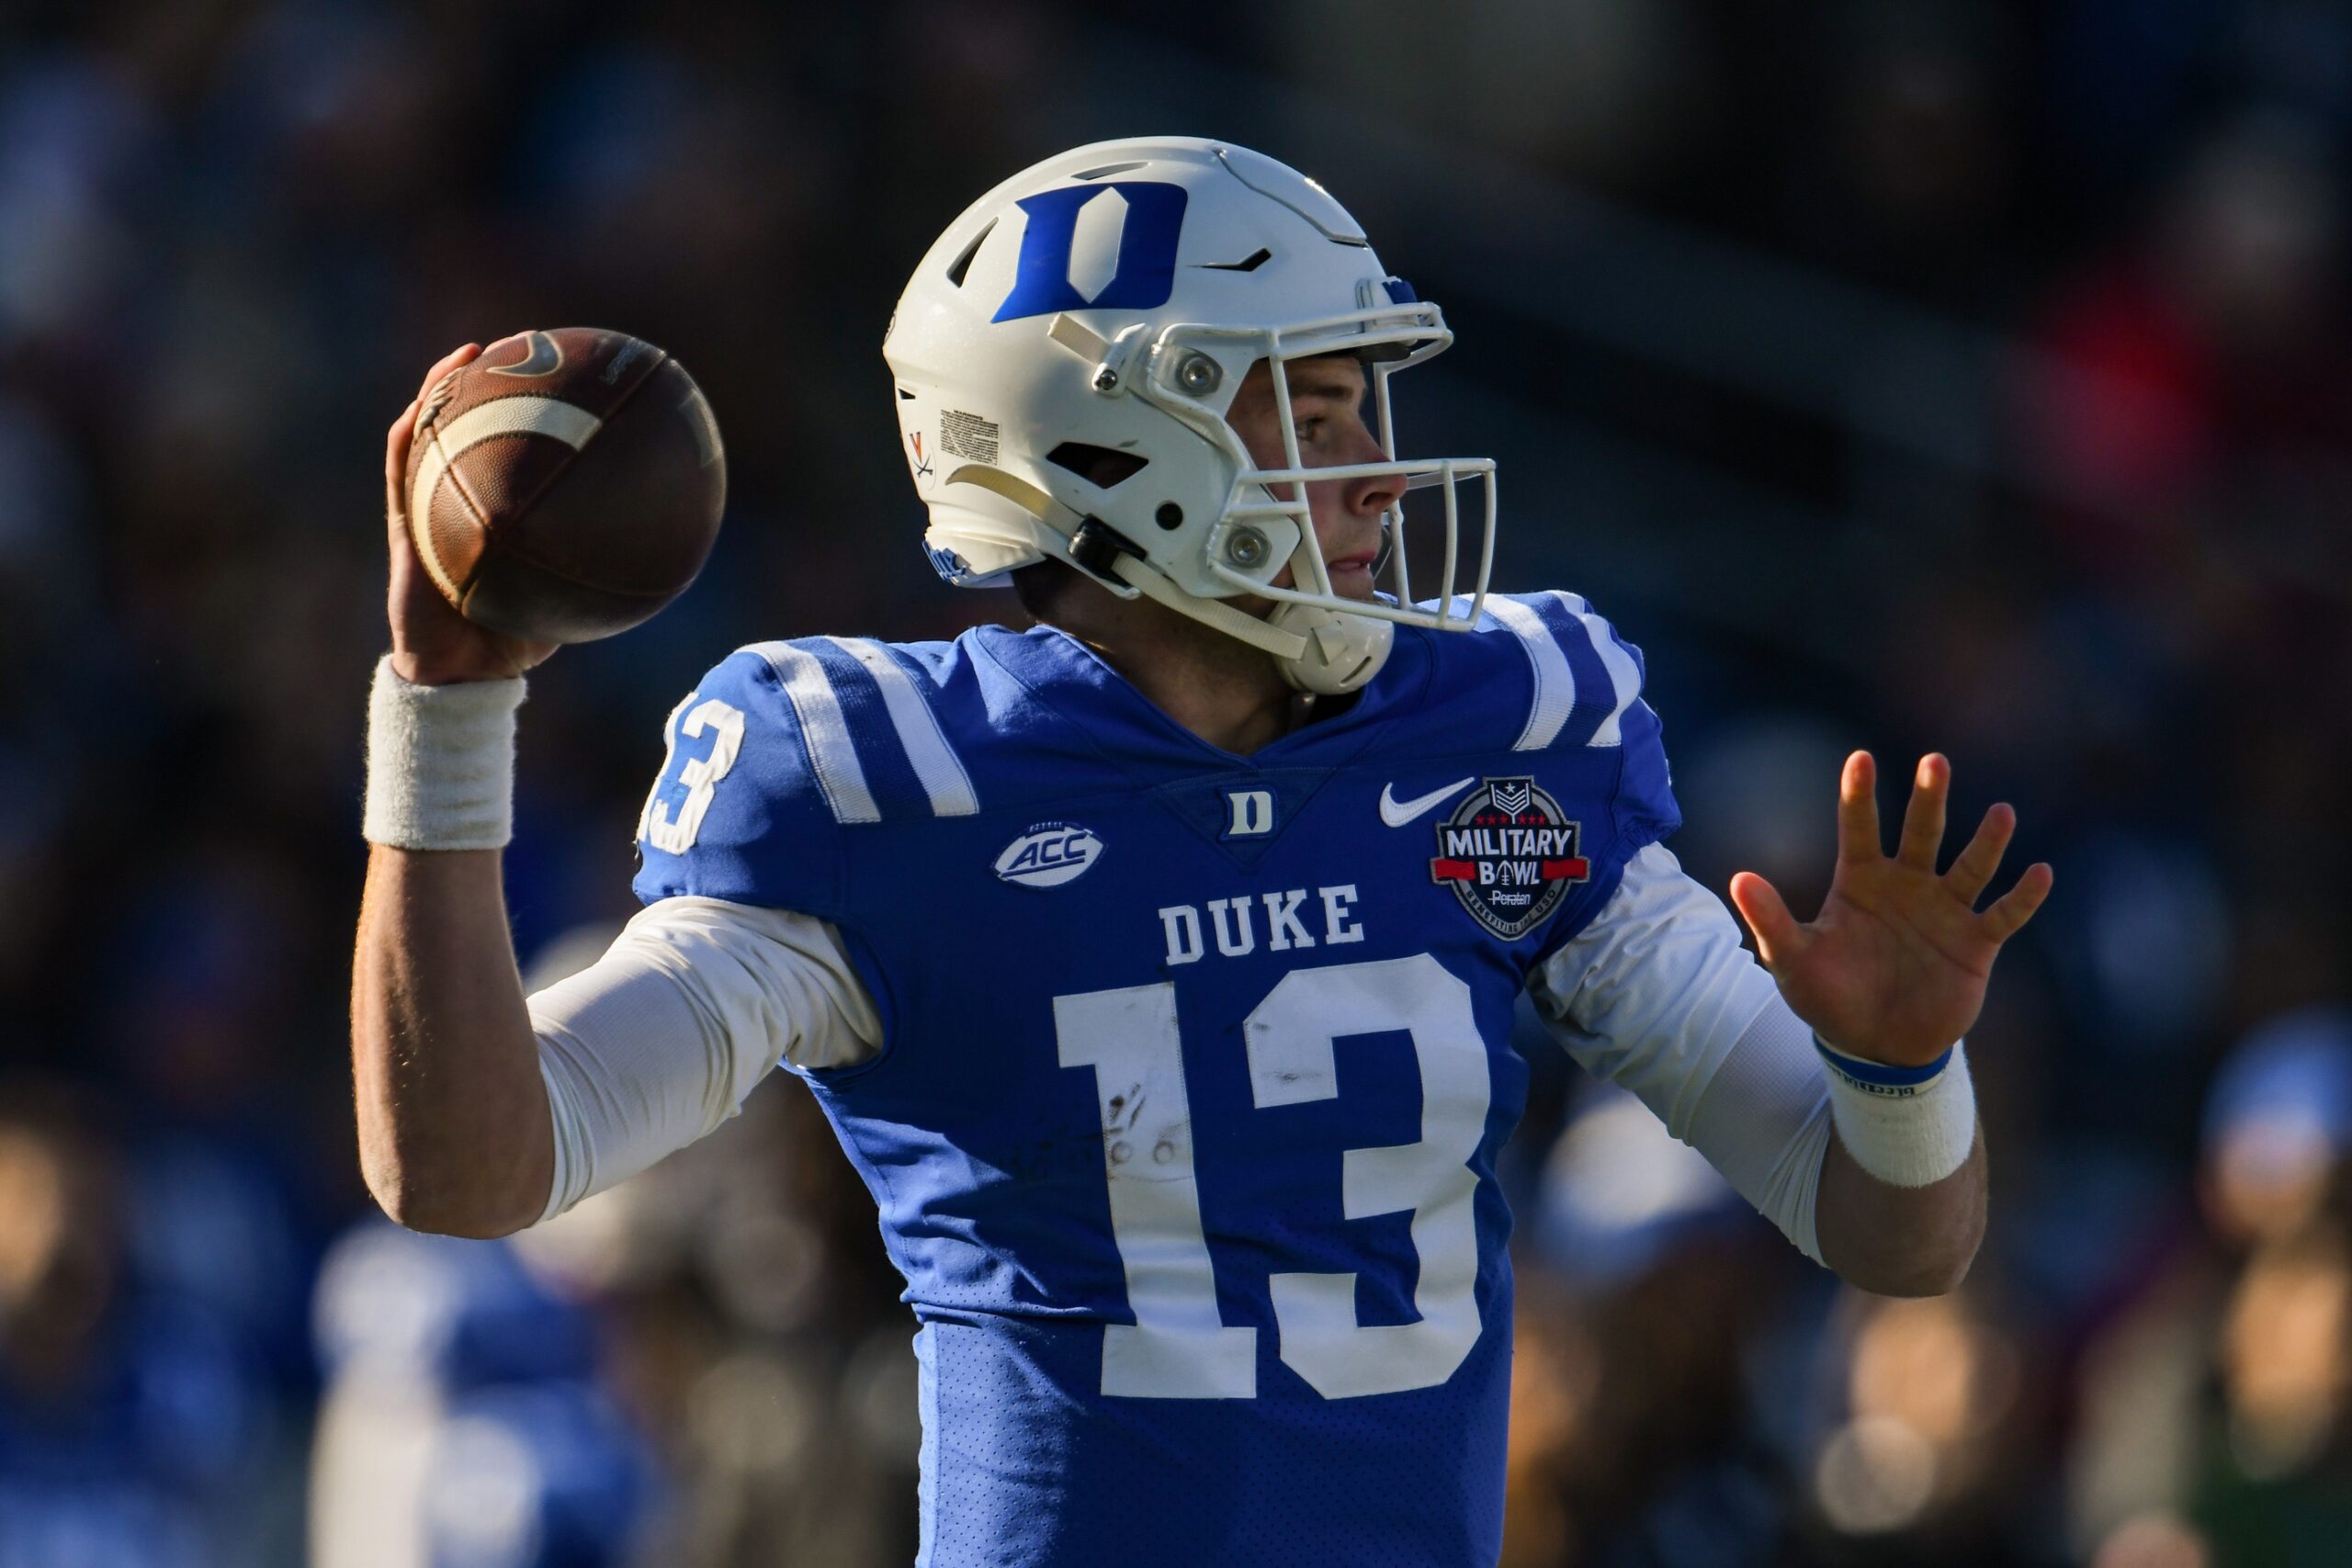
(1778, 935)
(1972, 870)
(1923, 819)
(1858, 830)
(2007, 914)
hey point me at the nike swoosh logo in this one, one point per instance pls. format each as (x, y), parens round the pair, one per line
(543, 359)
(1397, 813)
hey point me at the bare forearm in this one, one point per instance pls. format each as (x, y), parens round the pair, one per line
(1900, 1241)
(453, 1130)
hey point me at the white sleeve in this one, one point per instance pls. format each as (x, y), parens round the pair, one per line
(657, 1043)
(1657, 995)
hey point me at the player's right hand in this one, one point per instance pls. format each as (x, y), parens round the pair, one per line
(431, 644)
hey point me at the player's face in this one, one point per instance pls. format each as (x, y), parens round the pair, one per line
(1327, 405)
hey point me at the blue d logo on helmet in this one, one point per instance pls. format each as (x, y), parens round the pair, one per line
(1154, 216)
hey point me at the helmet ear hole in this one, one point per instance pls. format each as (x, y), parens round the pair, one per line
(1169, 516)
(1102, 467)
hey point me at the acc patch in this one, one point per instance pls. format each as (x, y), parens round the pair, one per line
(1049, 854)
(1509, 854)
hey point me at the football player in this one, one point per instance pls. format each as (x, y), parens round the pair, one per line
(1156, 965)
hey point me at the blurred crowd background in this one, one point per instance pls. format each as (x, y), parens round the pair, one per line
(1898, 373)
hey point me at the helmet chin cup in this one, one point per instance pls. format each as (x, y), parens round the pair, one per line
(1343, 651)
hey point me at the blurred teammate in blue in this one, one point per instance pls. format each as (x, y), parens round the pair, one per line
(1156, 965)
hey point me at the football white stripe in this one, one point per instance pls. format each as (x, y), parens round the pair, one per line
(1555, 684)
(1624, 675)
(935, 763)
(831, 750)
(567, 423)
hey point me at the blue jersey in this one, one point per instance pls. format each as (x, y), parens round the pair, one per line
(1195, 1065)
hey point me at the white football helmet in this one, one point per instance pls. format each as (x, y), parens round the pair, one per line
(1106, 304)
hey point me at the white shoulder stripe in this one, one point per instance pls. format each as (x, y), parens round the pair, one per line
(831, 750)
(935, 763)
(1555, 684)
(1624, 676)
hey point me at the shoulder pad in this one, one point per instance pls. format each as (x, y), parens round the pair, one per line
(1548, 669)
(1565, 680)
(781, 750)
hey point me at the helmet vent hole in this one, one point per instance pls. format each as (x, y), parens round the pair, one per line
(1170, 515)
(905, 396)
(1249, 262)
(1099, 466)
(1107, 169)
(963, 262)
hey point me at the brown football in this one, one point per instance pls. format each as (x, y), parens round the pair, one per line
(566, 484)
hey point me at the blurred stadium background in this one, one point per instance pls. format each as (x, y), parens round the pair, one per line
(1899, 373)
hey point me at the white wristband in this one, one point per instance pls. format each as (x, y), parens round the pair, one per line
(1908, 1126)
(440, 762)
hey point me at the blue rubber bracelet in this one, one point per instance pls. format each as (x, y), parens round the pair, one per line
(1882, 1078)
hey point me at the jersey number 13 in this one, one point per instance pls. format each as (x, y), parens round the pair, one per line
(1179, 1347)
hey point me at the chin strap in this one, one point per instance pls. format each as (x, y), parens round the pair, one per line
(1286, 645)
(1318, 649)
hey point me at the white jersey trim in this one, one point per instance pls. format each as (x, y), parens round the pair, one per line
(831, 753)
(935, 763)
(1624, 675)
(1555, 684)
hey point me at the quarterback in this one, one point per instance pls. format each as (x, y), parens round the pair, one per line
(1156, 965)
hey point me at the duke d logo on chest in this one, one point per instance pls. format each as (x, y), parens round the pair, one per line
(1509, 854)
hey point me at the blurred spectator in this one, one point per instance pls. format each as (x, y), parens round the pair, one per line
(138, 1423)
(1648, 1287)
(2279, 1127)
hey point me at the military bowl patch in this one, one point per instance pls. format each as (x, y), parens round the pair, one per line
(1509, 854)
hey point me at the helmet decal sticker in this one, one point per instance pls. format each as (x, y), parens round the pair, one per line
(1147, 266)
(968, 436)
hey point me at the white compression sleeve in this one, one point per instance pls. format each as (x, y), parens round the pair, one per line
(1764, 1120)
(656, 1044)
(1657, 995)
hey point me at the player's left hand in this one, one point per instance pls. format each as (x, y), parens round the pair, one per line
(1895, 966)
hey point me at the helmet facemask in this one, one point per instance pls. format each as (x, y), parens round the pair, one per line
(1267, 520)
